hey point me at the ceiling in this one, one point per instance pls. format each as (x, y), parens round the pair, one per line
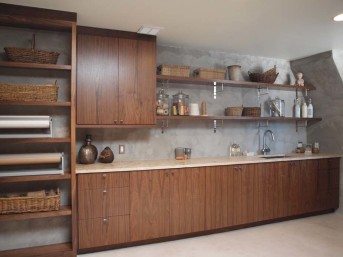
(286, 29)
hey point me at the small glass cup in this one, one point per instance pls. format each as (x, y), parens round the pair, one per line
(188, 152)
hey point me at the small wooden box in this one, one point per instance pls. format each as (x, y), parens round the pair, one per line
(173, 70)
(204, 73)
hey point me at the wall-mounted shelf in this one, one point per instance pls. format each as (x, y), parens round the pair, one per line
(63, 211)
(237, 118)
(231, 83)
(36, 140)
(23, 65)
(21, 103)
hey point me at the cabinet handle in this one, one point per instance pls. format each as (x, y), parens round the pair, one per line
(167, 174)
(105, 220)
(104, 176)
(104, 191)
(172, 174)
(121, 121)
(115, 121)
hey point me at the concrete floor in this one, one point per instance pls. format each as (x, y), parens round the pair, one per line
(318, 236)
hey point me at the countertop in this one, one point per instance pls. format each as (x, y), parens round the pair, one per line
(194, 162)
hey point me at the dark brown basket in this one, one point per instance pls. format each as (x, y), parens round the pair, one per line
(252, 111)
(27, 55)
(233, 111)
(29, 93)
(173, 70)
(20, 204)
(267, 77)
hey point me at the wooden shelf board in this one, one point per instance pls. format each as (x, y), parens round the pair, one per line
(243, 118)
(36, 140)
(35, 66)
(231, 83)
(54, 104)
(45, 250)
(64, 211)
(65, 176)
(116, 126)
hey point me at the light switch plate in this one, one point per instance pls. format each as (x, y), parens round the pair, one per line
(121, 149)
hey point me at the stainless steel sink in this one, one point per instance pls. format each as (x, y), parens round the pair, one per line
(271, 156)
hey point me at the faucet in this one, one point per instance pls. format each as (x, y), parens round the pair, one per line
(265, 149)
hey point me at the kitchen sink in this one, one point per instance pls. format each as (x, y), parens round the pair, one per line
(271, 156)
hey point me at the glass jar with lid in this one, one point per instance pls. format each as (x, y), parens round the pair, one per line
(180, 104)
(162, 103)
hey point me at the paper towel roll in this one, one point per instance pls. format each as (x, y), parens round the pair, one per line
(194, 109)
(7, 122)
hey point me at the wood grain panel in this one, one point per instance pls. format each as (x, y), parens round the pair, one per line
(308, 186)
(149, 204)
(187, 200)
(104, 231)
(270, 192)
(137, 82)
(97, 79)
(103, 180)
(219, 197)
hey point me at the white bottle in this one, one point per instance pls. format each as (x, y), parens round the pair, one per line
(310, 109)
(297, 109)
(304, 110)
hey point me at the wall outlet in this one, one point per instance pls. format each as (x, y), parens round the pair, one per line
(121, 149)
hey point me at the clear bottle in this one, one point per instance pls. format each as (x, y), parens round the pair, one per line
(304, 110)
(162, 103)
(310, 109)
(297, 109)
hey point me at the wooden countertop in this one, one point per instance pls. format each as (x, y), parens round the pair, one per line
(117, 166)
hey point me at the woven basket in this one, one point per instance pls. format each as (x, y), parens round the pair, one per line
(29, 93)
(233, 111)
(31, 55)
(267, 77)
(252, 111)
(22, 204)
(173, 70)
(210, 73)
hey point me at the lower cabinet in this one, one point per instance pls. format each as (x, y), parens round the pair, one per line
(123, 207)
(166, 202)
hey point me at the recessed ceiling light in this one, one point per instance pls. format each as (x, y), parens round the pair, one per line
(149, 30)
(338, 17)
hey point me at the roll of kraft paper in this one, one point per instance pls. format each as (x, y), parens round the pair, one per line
(8, 122)
(36, 158)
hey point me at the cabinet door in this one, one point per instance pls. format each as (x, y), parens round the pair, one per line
(243, 196)
(137, 82)
(219, 197)
(149, 204)
(308, 186)
(97, 80)
(187, 200)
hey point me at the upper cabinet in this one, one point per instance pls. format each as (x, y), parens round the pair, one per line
(116, 79)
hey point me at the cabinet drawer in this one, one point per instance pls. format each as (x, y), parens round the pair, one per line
(103, 231)
(96, 203)
(103, 180)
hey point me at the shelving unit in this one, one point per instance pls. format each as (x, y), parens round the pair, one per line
(236, 118)
(19, 17)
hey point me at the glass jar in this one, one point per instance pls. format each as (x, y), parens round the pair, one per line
(162, 103)
(180, 104)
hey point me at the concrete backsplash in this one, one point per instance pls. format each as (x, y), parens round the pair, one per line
(147, 144)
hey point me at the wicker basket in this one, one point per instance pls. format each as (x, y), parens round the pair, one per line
(31, 55)
(20, 204)
(210, 73)
(267, 77)
(29, 93)
(233, 111)
(252, 111)
(173, 70)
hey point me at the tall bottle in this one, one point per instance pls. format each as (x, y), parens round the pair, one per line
(297, 109)
(88, 152)
(304, 110)
(310, 109)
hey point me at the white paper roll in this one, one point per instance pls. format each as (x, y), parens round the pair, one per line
(8, 122)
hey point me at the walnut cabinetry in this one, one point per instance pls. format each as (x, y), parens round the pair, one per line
(128, 207)
(116, 79)
(103, 201)
(167, 202)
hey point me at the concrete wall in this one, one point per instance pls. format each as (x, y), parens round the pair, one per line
(143, 144)
(324, 71)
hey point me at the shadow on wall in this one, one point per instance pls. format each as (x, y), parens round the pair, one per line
(325, 72)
